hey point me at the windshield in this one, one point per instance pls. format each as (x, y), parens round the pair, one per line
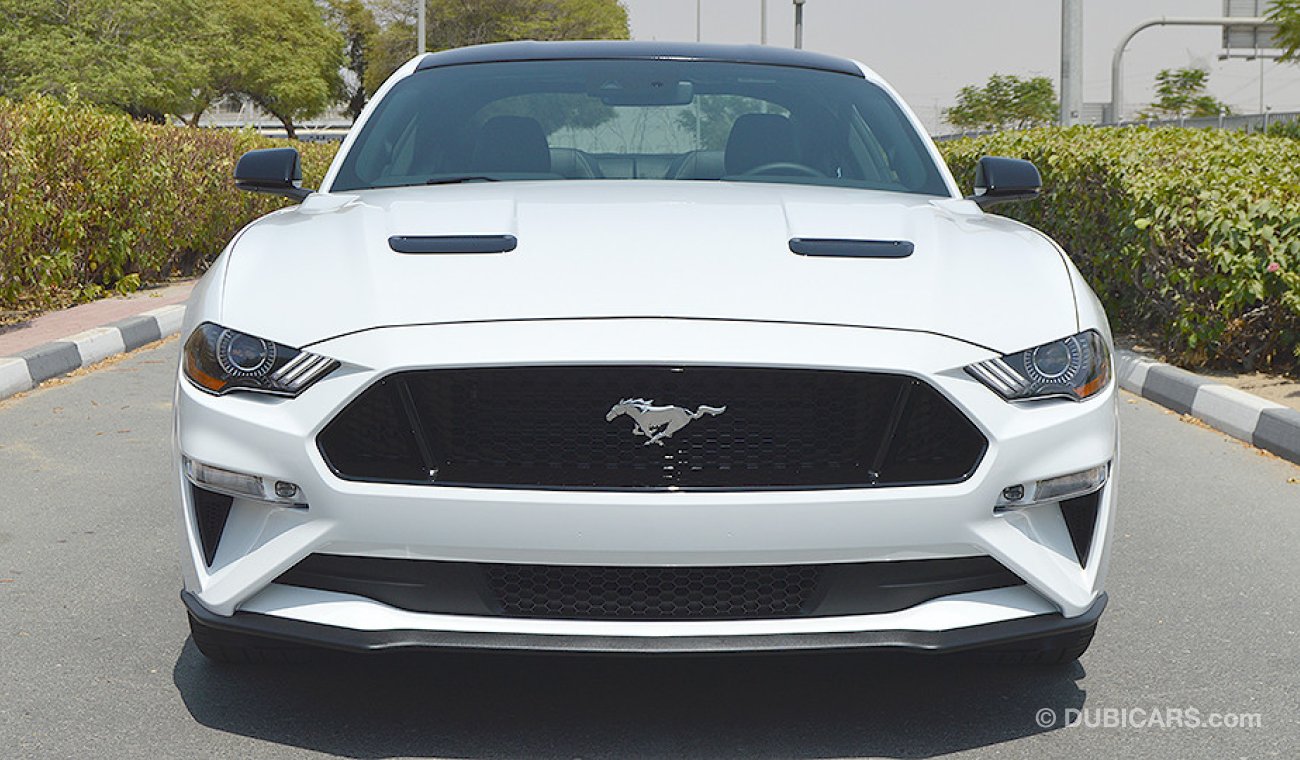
(638, 119)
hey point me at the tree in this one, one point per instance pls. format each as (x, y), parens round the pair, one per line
(141, 56)
(716, 114)
(356, 22)
(1005, 102)
(455, 23)
(553, 111)
(1286, 14)
(1181, 92)
(285, 58)
(155, 59)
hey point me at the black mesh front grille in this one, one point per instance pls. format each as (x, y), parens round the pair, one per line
(547, 427)
(649, 593)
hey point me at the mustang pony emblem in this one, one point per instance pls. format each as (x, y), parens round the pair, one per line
(658, 422)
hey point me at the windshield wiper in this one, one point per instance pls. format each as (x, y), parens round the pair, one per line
(459, 178)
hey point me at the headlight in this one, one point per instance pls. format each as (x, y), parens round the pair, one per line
(1075, 367)
(218, 360)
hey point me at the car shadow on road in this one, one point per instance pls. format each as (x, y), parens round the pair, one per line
(490, 705)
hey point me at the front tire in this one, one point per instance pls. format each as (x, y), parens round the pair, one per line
(229, 648)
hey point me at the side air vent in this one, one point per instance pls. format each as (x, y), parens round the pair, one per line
(211, 510)
(852, 249)
(453, 243)
(1080, 515)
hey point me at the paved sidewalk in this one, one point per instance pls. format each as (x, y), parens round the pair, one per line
(58, 325)
(60, 342)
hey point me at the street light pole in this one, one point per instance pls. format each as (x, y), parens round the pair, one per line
(1117, 62)
(798, 24)
(762, 14)
(697, 19)
(421, 45)
(1261, 83)
(1071, 61)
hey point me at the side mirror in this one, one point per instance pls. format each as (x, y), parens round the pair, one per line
(277, 171)
(998, 180)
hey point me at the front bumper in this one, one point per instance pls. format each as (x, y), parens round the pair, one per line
(275, 438)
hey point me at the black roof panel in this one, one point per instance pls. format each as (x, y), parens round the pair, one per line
(596, 49)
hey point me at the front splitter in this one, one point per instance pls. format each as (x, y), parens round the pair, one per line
(1004, 633)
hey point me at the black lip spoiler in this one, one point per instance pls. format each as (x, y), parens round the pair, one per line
(1007, 632)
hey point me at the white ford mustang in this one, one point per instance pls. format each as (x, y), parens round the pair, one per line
(625, 347)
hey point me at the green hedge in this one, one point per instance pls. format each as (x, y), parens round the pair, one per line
(92, 201)
(1191, 235)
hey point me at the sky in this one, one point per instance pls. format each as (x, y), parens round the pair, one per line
(928, 49)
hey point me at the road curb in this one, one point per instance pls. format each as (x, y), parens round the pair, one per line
(1269, 425)
(27, 369)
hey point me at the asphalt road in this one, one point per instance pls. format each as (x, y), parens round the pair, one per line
(95, 659)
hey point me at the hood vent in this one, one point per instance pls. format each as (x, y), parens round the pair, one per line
(852, 249)
(452, 243)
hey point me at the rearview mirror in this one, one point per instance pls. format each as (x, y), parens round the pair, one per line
(276, 171)
(630, 91)
(998, 180)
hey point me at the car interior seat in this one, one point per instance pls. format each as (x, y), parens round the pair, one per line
(757, 139)
(512, 144)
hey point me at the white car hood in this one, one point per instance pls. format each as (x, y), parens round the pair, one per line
(597, 249)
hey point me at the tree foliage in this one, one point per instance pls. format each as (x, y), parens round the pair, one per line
(553, 111)
(1286, 14)
(281, 55)
(713, 116)
(356, 22)
(455, 23)
(1181, 92)
(156, 59)
(1289, 129)
(141, 56)
(1005, 102)
(159, 58)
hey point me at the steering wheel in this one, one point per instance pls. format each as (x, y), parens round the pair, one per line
(783, 167)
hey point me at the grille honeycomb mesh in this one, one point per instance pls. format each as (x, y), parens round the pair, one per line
(652, 593)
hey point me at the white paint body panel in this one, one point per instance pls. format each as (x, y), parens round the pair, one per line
(606, 248)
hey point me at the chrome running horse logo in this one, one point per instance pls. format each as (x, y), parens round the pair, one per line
(658, 422)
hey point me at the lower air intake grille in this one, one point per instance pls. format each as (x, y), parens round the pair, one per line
(682, 428)
(636, 593)
(565, 592)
